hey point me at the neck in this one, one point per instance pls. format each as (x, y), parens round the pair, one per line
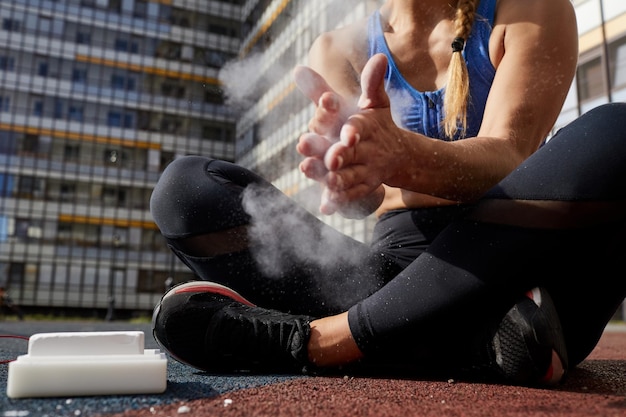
(406, 14)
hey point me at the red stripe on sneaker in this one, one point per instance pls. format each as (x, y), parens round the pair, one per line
(535, 295)
(216, 290)
(547, 378)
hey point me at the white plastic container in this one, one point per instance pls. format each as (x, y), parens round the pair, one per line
(87, 363)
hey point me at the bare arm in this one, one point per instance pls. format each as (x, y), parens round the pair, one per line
(336, 59)
(535, 60)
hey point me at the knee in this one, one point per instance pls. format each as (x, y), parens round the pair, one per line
(188, 199)
(171, 195)
(176, 181)
(598, 129)
(612, 110)
(604, 127)
(607, 117)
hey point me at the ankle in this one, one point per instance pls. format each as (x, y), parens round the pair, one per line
(331, 342)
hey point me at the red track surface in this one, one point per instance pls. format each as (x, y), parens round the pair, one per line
(596, 388)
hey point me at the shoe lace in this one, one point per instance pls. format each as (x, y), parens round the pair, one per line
(259, 335)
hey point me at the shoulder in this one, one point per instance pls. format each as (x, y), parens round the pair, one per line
(552, 13)
(341, 53)
(529, 24)
(349, 43)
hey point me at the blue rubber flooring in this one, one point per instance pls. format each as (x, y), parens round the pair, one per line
(183, 382)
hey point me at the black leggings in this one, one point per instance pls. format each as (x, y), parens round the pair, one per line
(431, 278)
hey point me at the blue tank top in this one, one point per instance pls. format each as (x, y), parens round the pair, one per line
(422, 112)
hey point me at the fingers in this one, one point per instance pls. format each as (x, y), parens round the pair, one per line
(344, 152)
(350, 132)
(314, 169)
(311, 144)
(337, 156)
(332, 198)
(310, 83)
(347, 179)
(373, 94)
(327, 120)
(327, 205)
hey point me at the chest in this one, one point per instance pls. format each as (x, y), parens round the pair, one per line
(423, 59)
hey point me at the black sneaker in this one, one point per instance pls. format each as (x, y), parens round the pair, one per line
(213, 328)
(528, 347)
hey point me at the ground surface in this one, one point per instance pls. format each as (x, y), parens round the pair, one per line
(596, 388)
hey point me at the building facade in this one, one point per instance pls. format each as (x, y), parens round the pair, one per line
(98, 96)
(601, 74)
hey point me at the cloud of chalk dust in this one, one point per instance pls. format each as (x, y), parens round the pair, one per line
(242, 80)
(282, 233)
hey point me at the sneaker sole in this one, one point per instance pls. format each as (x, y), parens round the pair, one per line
(207, 286)
(194, 287)
(518, 329)
(558, 367)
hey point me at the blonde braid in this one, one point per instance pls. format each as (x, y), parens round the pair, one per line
(457, 89)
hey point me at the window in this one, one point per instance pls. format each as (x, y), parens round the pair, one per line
(115, 5)
(114, 156)
(213, 95)
(114, 119)
(7, 142)
(7, 63)
(75, 113)
(186, 53)
(30, 144)
(121, 82)
(141, 8)
(30, 187)
(102, 4)
(118, 82)
(42, 69)
(618, 63)
(6, 186)
(121, 45)
(5, 103)
(165, 12)
(113, 196)
(45, 24)
(125, 45)
(83, 38)
(59, 104)
(119, 119)
(28, 229)
(11, 24)
(155, 281)
(211, 58)
(17, 274)
(71, 152)
(67, 192)
(172, 88)
(35, 144)
(151, 281)
(4, 233)
(215, 132)
(79, 75)
(170, 124)
(64, 232)
(38, 107)
(591, 80)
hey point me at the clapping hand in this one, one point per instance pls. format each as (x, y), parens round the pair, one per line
(349, 150)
